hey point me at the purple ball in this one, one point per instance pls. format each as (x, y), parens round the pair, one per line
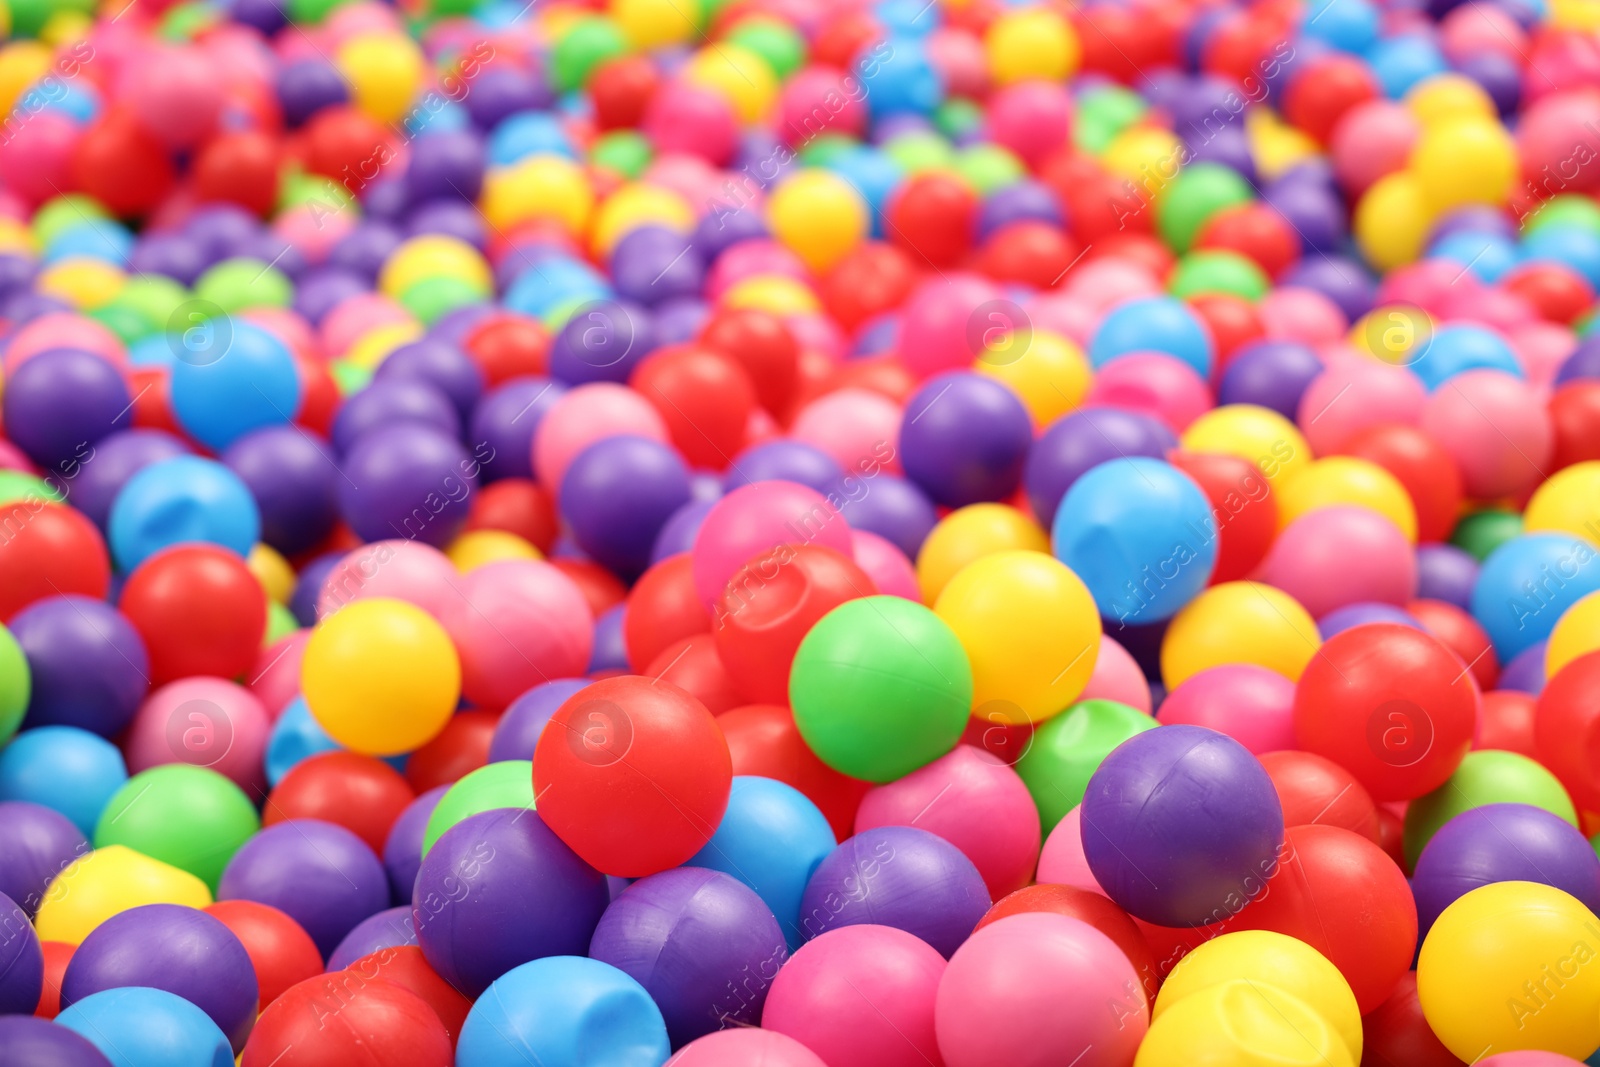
(181, 950)
(654, 263)
(452, 218)
(295, 482)
(718, 231)
(498, 890)
(266, 17)
(385, 198)
(602, 342)
(1447, 573)
(1497, 76)
(1340, 279)
(117, 458)
(892, 508)
(60, 403)
(1022, 201)
(679, 321)
(322, 876)
(1525, 672)
(610, 650)
(517, 734)
(175, 255)
(786, 460)
(407, 481)
(22, 308)
(1502, 843)
(402, 850)
(1351, 615)
(1270, 374)
(445, 165)
(1181, 824)
(1228, 147)
(1083, 439)
(678, 533)
(440, 364)
(453, 328)
(29, 1041)
(16, 273)
(704, 946)
(503, 90)
(965, 439)
(366, 248)
(269, 249)
(88, 664)
(1583, 364)
(390, 928)
(308, 587)
(617, 494)
(325, 288)
(1317, 216)
(21, 961)
(896, 876)
(308, 86)
(391, 402)
(36, 844)
(222, 229)
(505, 421)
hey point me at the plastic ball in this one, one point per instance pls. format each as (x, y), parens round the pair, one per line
(232, 377)
(406, 481)
(190, 817)
(1561, 718)
(23, 962)
(1497, 433)
(1242, 1021)
(504, 784)
(361, 793)
(1242, 508)
(215, 504)
(36, 843)
(1526, 584)
(281, 953)
(198, 609)
(1031, 43)
(394, 569)
(1383, 568)
(1155, 324)
(755, 518)
(329, 1019)
(1252, 705)
(1155, 384)
(86, 666)
(151, 1027)
(1239, 622)
(27, 1040)
(731, 1048)
(515, 624)
(106, 882)
(60, 403)
(563, 1009)
(819, 216)
(1058, 760)
(966, 535)
(764, 740)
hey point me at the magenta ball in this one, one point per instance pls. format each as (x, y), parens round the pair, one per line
(891, 572)
(517, 623)
(1061, 861)
(1355, 393)
(1496, 428)
(937, 321)
(1528, 1058)
(1250, 704)
(1031, 118)
(752, 519)
(1117, 676)
(1152, 383)
(207, 722)
(584, 415)
(684, 118)
(746, 1046)
(1335, 556)
(397, 569)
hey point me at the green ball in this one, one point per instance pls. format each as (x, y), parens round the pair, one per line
(957, 117)
(125, 322)
(432, 298)
(587, 43)
(16, 685)
(191, 817)
(29, 16)
(311, 12)
(824, 150)
(350, 377)
(880, 687)
(280, 623)
(1565, 211)
(1093, 136)
(148, 300)
(1197, 193)
(1067, 748)
(1111, 108)
(1484, 531)
(16, 485)
(184, 22)
(919, 152)
(1218, 272)
(236, 284)
(1485, 777)
(627, 152)
(774, 41)
(987, 167)
(506, 784)
(63, 212)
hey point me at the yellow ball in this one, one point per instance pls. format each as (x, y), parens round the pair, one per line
(1276, 146)
(1242, 1024)
(21, 64)
(374, 346)
(477, 548)
(107, 882)
(1392, 333)
(1031, 631)
(15, 236)
(538, 187)
(272, 571)
(1049, 373)
(1147, 156)
(819, 216)
(1576, 633)
(65, 27)
(1283, 962)
(1444, 97)
(649, 24)
(1032, 42)
(1239, 622)
(741, 76)
(1569, 502)
(636, 205)
(1256, 434)
(381, 676)
(968, 534)
(433, 256)
(1465, 161)
(1582, 16)
(384, 71)
(1392, 220)
(1337, 480)
(82, 281)
(776, 293)
(1509, 966)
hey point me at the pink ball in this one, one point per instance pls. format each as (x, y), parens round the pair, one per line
(585, 415)
(1250, 704)
(1495, 428)
(345, 324)
(859, 428)
(173, 92)
(750, 259)
(1371, 140)
(860, 996)
(1541, 348)
(1066, 316)
(1428, 284)
(820, 100)
(64, 329)
(286, 325)
(1498, 309)
(1061, 861)
(1473, 29)
(745, 1047)
(687, 175)
(1106, 281)
(35, 158)
(1152, 383)
(1117, 677)
(401, 570)
(686, 118)
(515, 624)
(275, 679)
(1335, 556)
(206, 722)
(1548, 130)
(934, 334)
(354, 20)
(1040, 990)
(1354, 394)
(886, 565)
(313, 230)
(818, 333)
(1297, 314)
(1032, 118)
(958, 55)
(1560, 62)
(752, 519)
(1528, 1058)
(12, 459)
(973, 800)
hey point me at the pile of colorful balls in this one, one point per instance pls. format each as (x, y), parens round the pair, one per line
(799, 533)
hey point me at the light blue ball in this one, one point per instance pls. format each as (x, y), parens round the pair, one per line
(103, 240)
(1527, 583)
(529, 133)
(1577, 249)
(908, 18)
(1488, 256)
(1401, 62)
(1348, 25)
(1140, 534)
(136, 1026)
(183, 499)
(295, 737)
(63, 768)
(235, 378)
(1460, 348)
(553, 281)
(900, 77)
(771, 838)
(564, 1010)
(874, 175)
(1153, 324)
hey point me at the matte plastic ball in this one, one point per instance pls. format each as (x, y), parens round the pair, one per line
(1250, 704)
(141, 1027)
(1243, 1021)
(190, 817)
(754, 518)
(1564, 725)
(36, 844)
(517, 623)
(1154, 324)
(735, 1048)
(396, 569)
(1484, 777)
(184, 499)
(235, 377)
(281, 953)
(506, 784)
(292, 476)
(1154, 815)
(361, 793)
(408, 482)
(387, 402)
(1375, 563)
(1082, 440)
(1239, 622)
(60, 403)
(1057, 760)
(617, 494)
(107, 881)
(1317, 791)
(340, 1018)
(1495, 429)
(87, 665)
(30, 1041)
(965, 439)
(21, 962)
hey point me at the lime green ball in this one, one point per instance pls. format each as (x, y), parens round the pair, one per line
(432, 298)
(957, 116)
(587, 43)
(236, 284)
(824, 150)
(16, 685)
(626, 152)
(62, 212)
(1111, 107)
(774, 41)
(506, 784)
(1197, 193)
(562, 311)
(280, 623)
(1565, 211)
(311, 12)
(880, 687)
(29, 16)
(349, 377)
(449, 8)
(1218, 272)
(152, 298)
(1484, 531)
(184, 22)
(988, 167)
(123, 321)
(16, 485)
(1093, 137)
(190, 817)
(919, 152)
(1485, 777)
(1066, 750)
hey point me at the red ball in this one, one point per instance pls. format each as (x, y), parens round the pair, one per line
(509, 346)
(280, 951)
(1034, 253)
(343, 144)
(50, 550)
(1319, 95)
(123, 167)
(1505, 722)
(760, 343)
(152, 400)
(769, 606)
(1141, 249)
(519, 506)
(1342, 895)
(1392, 834)
(871, 279)
(599, 587)
(933, 216)
(694, 666)
(1242, 506)
(1092, 908)
(1256, 231)
(1170, 944)
(1391, 705)
(361, 793)
(1124, 42)
(651, 794)
(1232, 321)
(620, 89)
(241, 168)
(320, 397)
(57, 954)
(764, 741)
(1006, 742)
(1566, 729)
(406, 967)
(1575, 418)
(199, 610)
(663, 609)
(1318, 792)
(340, 1019)
(459, 749)
(1557, 292)
(1244, 49)
(1396, 1034)
(1422, 467)
(1099, 205)
(877, 374)
(1462, 635)
(705, 398)
(843, 37)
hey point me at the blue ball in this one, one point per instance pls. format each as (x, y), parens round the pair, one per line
(874, 175)
(529, 133)
(1153, 324)
(771, 838)
(1349, 26)
(1141, 535)
(900, 77)
(232, 377)
(563, 1009)
(63, 768)
(1488, 256)
(103, 240)
(1527, 583)
(296, 736)
(1459, 348)
(136, 1026)
(1401, 62)
(178, 500)
(554, 281)
(1578, 249)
